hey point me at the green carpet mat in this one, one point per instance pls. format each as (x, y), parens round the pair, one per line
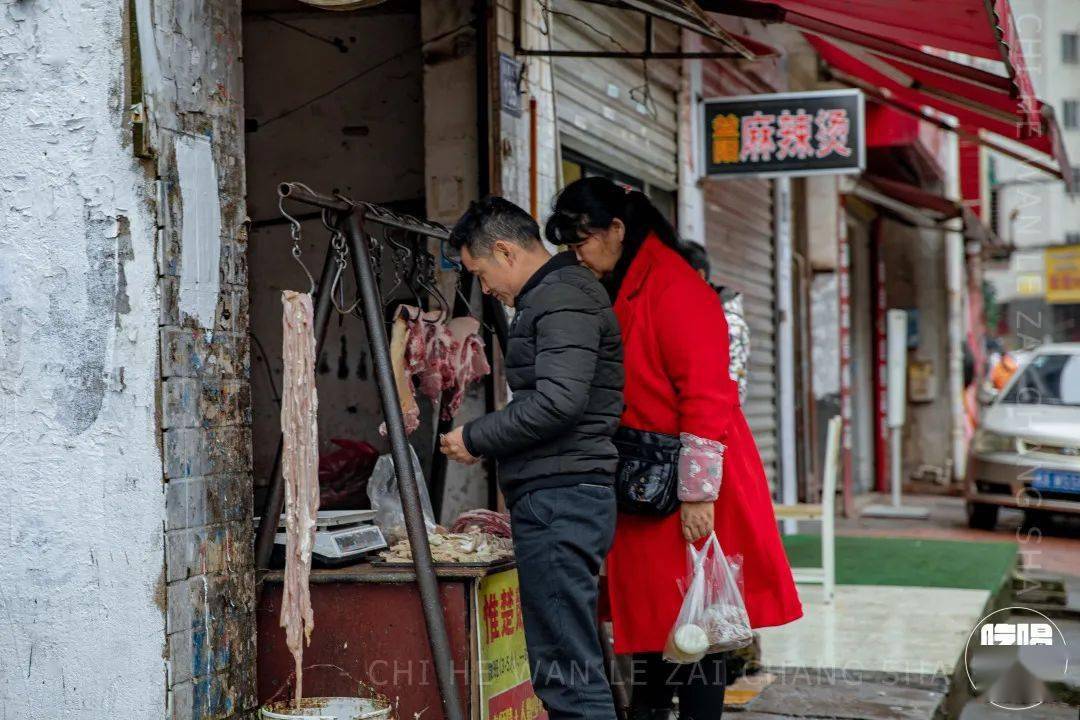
(903, 561)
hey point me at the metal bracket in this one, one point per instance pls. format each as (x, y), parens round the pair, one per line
(647, 54)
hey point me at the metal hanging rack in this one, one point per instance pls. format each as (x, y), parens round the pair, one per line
(351, 246)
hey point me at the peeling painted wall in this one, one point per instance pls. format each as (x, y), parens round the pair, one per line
(451, 176)
(916, 281)
(538, 83)
(81, 500)
(192, 79)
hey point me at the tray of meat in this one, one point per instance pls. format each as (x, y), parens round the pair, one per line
(453, 549)
(481, 520)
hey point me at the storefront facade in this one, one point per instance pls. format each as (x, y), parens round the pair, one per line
(181, 254)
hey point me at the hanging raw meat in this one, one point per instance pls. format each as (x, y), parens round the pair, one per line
(300, 470)
(469, 362)
(435, 361)
(440, 358)
(400, 339)
(482, 520)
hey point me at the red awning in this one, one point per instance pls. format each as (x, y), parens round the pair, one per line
(761, 50)
(912, 201)
(975, 112)
(916, 196)
(905, 30)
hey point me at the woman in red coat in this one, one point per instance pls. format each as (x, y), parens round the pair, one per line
(675, 343)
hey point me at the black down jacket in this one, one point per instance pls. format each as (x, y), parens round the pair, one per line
(564, 366)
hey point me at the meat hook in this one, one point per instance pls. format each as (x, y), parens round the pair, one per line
(295, 230)
(337, 242)
(425, 275)
(460, 267)
(402, 255)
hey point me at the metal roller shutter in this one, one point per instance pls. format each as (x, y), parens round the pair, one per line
(739, 230)
(599, 101)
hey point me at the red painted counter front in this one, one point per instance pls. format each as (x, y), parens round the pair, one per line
(369, 628)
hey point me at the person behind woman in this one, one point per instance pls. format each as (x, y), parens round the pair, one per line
(675, 342)
(738, 330)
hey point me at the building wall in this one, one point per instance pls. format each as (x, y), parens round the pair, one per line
(513, 154)
(915, 280)
(82, 591)
(452, 180)
(366, 140)
(191, 86)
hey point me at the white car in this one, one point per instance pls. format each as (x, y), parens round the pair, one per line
(1026, 453)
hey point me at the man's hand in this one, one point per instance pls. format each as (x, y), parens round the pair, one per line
(697, 519)
(452, 445)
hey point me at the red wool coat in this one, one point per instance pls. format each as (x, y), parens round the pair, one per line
(675, 342)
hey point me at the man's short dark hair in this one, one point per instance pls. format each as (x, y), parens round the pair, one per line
(494, 218)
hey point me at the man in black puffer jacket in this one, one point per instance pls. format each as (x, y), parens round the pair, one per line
(553, 444)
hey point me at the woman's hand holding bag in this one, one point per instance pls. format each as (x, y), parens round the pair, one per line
(712, 618)
(697, 519)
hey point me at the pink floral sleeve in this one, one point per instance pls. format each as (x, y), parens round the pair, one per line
(701, 468)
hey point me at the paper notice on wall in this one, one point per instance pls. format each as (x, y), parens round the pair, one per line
(200, 235)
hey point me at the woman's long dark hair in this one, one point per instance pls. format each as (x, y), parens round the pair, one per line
(593, 203)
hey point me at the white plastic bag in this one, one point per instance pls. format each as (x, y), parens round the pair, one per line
(712, 618)
(382, 490)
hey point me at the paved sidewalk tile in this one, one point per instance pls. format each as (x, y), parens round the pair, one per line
(843, 701)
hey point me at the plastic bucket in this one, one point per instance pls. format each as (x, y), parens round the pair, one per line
(328, 708)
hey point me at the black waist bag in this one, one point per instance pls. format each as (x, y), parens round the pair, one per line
(647, 479)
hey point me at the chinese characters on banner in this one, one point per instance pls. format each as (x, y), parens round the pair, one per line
(790, 133)
(506, 692)
(1063, 274)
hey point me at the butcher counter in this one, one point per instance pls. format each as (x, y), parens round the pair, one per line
(369, 631)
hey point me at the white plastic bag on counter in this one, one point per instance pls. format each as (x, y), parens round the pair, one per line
(713, 617)
(385, 498)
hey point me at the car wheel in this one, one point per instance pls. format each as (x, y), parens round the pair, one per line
(1036, 519)
(982, 516)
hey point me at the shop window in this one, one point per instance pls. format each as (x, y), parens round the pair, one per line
(571, 171)
(1071, 114)
(1072, 238)
(575, 166)
(1070, 48)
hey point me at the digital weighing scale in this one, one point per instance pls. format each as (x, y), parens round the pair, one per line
(341, 537)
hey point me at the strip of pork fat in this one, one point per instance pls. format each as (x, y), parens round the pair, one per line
(300, 470)
(399, 341)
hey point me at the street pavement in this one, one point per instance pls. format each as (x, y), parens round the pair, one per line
(1051, 583)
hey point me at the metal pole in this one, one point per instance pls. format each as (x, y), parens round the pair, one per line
(403, 468)
(896, 464)
(302, 193)
(785, 347)
(275, 496)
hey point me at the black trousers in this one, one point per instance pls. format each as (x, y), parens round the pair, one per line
(561, 536)
(700, 687)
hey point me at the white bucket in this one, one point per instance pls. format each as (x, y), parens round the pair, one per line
(328, 708)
